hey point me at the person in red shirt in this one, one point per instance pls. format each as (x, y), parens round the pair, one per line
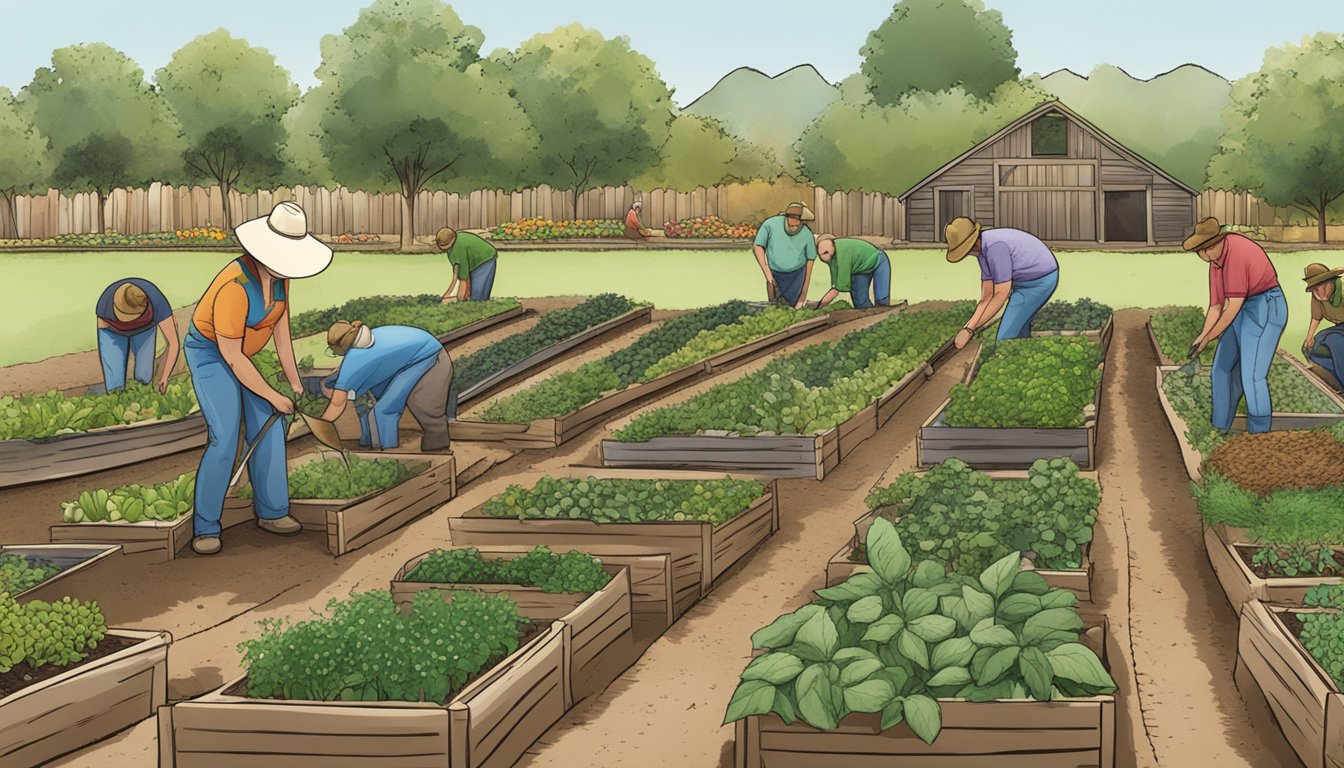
(633, 228)
(1247, 314)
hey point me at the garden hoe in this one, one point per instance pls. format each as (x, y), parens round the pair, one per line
(252, 446)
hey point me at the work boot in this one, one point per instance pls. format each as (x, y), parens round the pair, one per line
(205, 545)
(426, 447)
(281, 526)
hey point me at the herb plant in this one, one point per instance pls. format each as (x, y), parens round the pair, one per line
(1323, 633)
(1081, 315)
(1289, 516)
(570, 572)
(39, 633)
(134, 503)
(1037, 382)
(626, 501)
(1176, 329)
(1297, 559)
(18, 573)
(328, 478)
(35, 416)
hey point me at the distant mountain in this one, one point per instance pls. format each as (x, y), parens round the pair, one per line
(770, 112)
(1173, 119)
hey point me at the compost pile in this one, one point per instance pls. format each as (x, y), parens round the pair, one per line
(1274, 461)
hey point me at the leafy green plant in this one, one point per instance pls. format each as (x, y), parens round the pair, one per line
(626, 501)
(425, 311)
(813, 389)
(1176, 329)
(1081, 315)
(712, 341)
(268, 365)
(570, 572)
(1323, 633)
(964, 518)
(363, 649)
(133, 503)
(1037, 382)
(1296, 559)
(1288, 516)
(18, 573)
(328, 478)
(38, 633)
(897, 640)
(35, 416)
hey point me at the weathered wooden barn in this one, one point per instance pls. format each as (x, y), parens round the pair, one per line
(1055, 175)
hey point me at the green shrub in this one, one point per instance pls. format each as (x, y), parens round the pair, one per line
(571, 572)
(134, 503)
(626, 501)
(35, 416)
(18, 573)
(1037, 382)
(328, 478)
(1323, 633)
(364, 649)
(897, 640)
(39, 633)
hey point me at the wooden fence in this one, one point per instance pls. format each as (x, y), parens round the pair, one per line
(1234, 208)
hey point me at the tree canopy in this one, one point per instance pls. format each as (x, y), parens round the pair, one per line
(23, 159)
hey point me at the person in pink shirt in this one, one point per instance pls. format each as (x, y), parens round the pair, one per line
(1247, 314)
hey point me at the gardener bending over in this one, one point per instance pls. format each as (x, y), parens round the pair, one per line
(634, 230)
(1326, 348)
(1018, 274)
(399, 368)
(856, 265)
(473, 261)
(131, 313)
(785, 252)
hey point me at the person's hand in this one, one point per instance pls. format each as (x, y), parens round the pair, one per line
(770, 279)
(162, 384)
(1307, 345)
(963, 338)
(1196, 349)
(281, 403)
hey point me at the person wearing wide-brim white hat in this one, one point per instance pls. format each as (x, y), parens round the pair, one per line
(246, 306)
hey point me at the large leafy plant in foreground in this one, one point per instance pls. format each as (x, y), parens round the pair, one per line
(898, 639)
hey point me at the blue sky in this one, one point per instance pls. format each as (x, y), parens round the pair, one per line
(694, 42)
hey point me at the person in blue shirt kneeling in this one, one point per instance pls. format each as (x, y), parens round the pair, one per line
(398, 368)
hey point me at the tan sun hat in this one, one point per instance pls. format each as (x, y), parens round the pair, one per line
(1315, 274)
(281, 242)
(1207, 234)
(961, 235)
(129, 302)
(341, 337)
(445, 237)
(799, 210)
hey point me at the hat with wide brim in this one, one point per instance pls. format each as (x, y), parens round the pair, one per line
(342, 335)
(799, 210)
(282, 244)
(129, 302)
(961, 234)
(1206, 235)
(445, 237)
(1315, 274)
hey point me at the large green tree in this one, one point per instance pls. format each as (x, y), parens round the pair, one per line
(230, 99)
(932, 45)
(305, 162)
(699, 153)
(407, 105)
(23, 160)
(601, 111)
(1283, 129)
(108, 128)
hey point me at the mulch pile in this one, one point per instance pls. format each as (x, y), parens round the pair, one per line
(1273, 461)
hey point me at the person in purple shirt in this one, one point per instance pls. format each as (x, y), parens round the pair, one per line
(1018, 274)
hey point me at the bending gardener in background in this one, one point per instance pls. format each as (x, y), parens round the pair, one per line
(245, 306)
(399, 368)
(473, 261)
(1326, 348)
(634, 230)
(1247, 314)
(131, 313)
(856, 265)
(1018, 274)
(785, 252)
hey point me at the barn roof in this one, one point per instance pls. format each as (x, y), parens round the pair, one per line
(1050, 106)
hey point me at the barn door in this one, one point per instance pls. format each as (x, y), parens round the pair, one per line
(951, 204)
(1126, 216)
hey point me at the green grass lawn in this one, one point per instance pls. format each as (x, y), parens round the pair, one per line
(49, 297)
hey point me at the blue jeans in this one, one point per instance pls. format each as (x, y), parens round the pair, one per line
(1241, 362)
(226, 405)
(789, 285)
(114, 351)
(879, 280)
(1328, 352)
(378, 426)
(1024, 302)
(483, 280)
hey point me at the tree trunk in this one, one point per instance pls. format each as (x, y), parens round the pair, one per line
(574, 204)
(228, 213)
(407, 220)
(9, 223)
(102, 213)
(1320, 225)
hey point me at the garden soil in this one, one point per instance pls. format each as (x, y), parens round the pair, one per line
(1272, 461)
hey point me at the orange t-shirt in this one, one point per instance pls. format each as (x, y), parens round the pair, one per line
(234, 308)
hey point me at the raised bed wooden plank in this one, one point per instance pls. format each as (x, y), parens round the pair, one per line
(1225, 547)
(480, 326)
(1190, 457)
(86, 703)
(23, 462)
(1161, 356)
(153, 540)
(75, 560)
(541, 359)
(489, 724)
(355, 523)
(1305, 702)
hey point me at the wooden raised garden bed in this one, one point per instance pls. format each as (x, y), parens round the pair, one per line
(1229, 550)
(1273, 664)
(552, 433)
(1013, 447)
(154, 540)
(1190, 457)
(700, 553)
(36, 461)
(73, 559)
(600, 645)
(86, 703)
(543, 358)
(489, 724)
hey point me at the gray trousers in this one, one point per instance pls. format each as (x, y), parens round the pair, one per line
(429, 404)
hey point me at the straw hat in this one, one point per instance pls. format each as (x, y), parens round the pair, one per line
(342, 335)
(282, 244)
(129, 302)
(799, 210)
(1315, 274)
(445, 237)
(1206, 235)
(962, 234)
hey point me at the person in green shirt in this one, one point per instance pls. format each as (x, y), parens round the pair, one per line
(1326, 348)
(785, 252)
(856, 266)
(473, 261)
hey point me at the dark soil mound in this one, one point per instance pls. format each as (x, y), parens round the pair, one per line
(1273, 461)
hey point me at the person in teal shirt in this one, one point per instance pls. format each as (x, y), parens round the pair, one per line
(473, 261)
(856, 266)
(785, 252)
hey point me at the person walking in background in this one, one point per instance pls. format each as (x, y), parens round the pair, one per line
(131, 313)
(1018, 275)
(634, 230)
(785, 252)
(473, 261)
(245, 306)
(1326, 348)
(856, 266)
(401, 368)
(1247, 314)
